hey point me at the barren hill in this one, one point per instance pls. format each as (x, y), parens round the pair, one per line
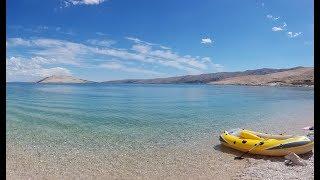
(202, 78)
(296, 77)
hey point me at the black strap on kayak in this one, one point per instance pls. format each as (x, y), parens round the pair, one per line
(241, 157)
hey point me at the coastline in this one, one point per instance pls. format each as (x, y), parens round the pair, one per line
(248, 85)
(205, 160)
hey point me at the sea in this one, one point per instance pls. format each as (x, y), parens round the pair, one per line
(114, 117)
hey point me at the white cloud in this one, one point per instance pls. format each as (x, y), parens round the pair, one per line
(99, 42)
(32, 68)
(164, 57)
(122, 67)
(136, 40)
(83, 2)
(141, 48)
(280, 28)
(277, 29)
(63, 52)
(42, 28)
(206, 59)
(206, 41)
(68, 32)
(179, 66)
(293, 35)
(274, 18)
(283, 28)
(186, 63)
(122, 54)
(60, 71)
(18, 42)
(165, 47)
(111, 65)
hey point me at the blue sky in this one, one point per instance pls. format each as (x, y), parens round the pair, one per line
(119, 39)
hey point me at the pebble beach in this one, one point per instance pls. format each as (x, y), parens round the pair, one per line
(210, 161)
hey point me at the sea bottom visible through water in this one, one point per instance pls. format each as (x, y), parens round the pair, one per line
(133, 130)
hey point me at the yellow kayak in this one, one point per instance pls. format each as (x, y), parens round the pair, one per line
(266, 144)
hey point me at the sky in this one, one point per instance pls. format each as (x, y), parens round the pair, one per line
(103, 40)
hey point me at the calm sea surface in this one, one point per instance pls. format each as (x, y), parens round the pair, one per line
(137, 117)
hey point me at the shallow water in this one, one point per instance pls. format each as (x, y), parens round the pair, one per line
(106, 119)
(143, 115)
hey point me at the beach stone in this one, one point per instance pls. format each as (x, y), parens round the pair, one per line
(295, 159)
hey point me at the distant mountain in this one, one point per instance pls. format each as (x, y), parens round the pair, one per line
(297, 76)
(62, 79)
(293, 77)
(202, 78)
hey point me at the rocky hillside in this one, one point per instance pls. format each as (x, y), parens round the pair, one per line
(202, 78)
(248, 77)
(293, 77)
(62, 79)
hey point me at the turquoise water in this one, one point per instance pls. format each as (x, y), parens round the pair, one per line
(137, 117)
